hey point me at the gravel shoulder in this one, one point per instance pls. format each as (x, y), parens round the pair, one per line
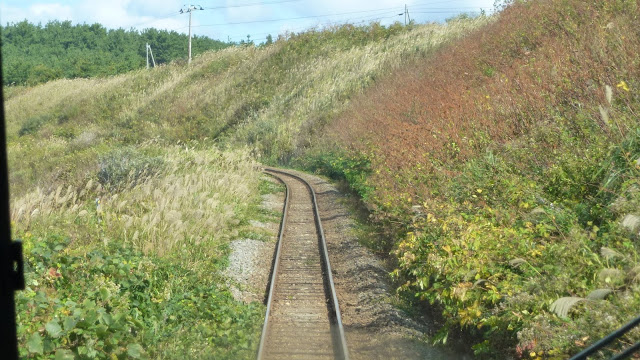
(250, 259)
(374, 327)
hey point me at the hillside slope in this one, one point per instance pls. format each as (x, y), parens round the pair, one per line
(128, 190)
(272, 98)
(504, 170)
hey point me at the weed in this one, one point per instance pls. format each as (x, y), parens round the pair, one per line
(141, 258)
(127, 167)
(501, 166)
(33, 124)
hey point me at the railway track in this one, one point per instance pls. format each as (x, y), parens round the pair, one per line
(302, 320)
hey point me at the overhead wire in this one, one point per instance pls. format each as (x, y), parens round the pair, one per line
(178, 13)
(423, 7)
(173, 14)
(306, 17)
(251, 4)
(359, 20)
(415, 7)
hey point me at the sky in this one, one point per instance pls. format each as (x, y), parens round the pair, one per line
(235, 19)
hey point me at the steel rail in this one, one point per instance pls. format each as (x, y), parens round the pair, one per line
(274, 269)
(610, 338)
(338, 328)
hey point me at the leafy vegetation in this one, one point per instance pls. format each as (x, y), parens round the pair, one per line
(501, 163)
(127, 205)
(342, 166)
(34, 54)
(96, 302)
(129, 264)
(505, 169)
(33, 124)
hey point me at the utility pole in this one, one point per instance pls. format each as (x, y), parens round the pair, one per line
(149, 51)
(152, 58)
(189, 10)
(406, 15)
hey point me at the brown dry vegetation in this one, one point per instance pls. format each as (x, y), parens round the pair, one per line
(502, 168)
(540, 63)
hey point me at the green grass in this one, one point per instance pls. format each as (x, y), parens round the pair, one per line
(273, 98)
(130, 263)
(99, 301)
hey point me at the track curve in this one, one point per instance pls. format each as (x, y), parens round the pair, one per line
(303, 316)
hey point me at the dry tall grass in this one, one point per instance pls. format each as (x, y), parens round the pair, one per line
(195, 201)
(274, 97)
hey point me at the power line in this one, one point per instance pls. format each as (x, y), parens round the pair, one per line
(173, 14)
(430, 3)
(426, 9)
(177, 13)
(453, 11)
(444, 12)
(415, 8)
(366, 18)
(251, 4)
(456, 8)
(359, 20)
(292, 18)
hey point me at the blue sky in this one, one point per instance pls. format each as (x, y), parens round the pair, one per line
(229, 19)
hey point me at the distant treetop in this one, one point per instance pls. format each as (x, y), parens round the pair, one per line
(33, 54)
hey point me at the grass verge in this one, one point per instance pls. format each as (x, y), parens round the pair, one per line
(129, 264)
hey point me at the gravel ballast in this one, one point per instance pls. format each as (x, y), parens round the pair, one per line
(250, 260)
(374, 327)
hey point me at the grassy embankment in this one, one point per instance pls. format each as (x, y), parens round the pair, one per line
(127, 203)
(505, 170)
(129, 263)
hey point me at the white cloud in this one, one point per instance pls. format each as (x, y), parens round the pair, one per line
(112, 14)
(36, 13)
(235, 13)
(51, 11)
(155, 8)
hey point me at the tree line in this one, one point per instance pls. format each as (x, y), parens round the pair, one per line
(33, 54)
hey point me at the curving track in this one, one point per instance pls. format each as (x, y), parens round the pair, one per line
(303, 317)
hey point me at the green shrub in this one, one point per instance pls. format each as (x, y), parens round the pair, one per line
(100, 302)
(354, 169)
(502, 246)
(33, 124)
(125, 167)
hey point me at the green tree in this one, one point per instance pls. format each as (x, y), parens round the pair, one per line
(34, 53)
